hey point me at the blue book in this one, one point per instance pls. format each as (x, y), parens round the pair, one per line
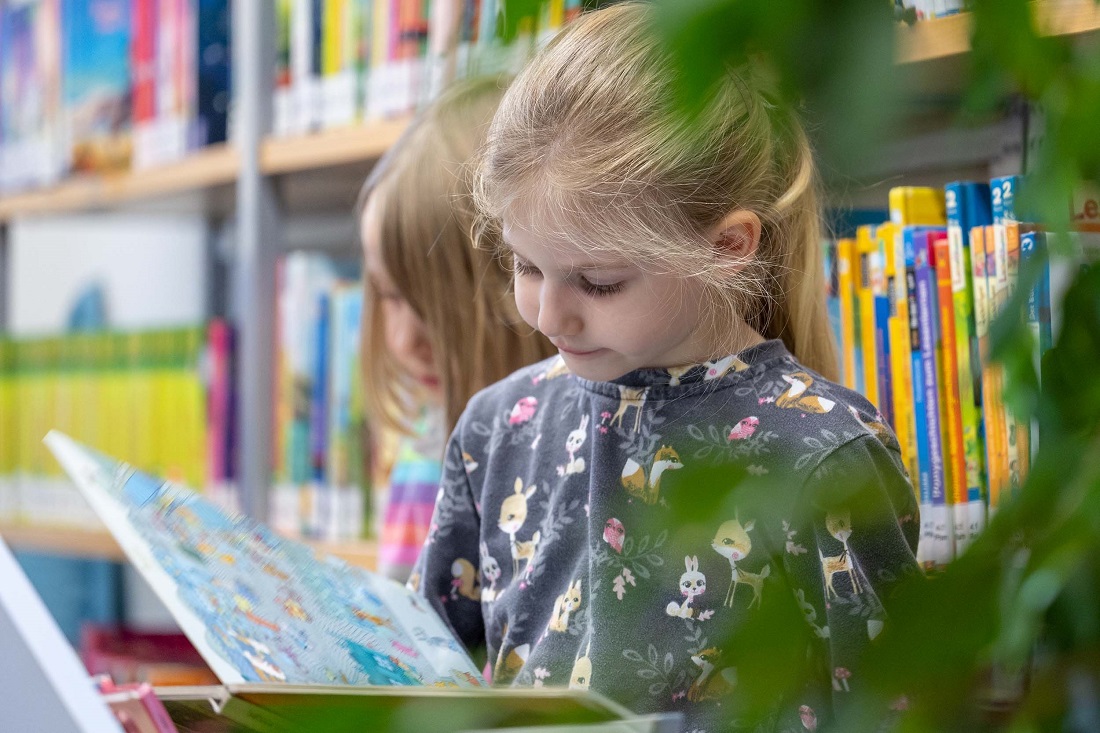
(214, 57)
(318, 406)
(1032, 243)
(832, 300)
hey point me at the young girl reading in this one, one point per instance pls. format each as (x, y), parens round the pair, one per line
(642, 506)
(439, 322)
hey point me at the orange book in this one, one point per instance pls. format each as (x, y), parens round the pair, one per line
(950, 405)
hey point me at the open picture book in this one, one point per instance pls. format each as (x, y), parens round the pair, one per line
(258, 607)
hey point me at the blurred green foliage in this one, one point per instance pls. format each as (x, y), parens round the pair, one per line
(1008, 637)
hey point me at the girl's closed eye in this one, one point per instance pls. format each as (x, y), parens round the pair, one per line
(600, 289)
(523, 267)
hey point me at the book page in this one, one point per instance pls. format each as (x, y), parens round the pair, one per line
(258, 607)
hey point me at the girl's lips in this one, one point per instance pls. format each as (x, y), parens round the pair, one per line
(572, 352)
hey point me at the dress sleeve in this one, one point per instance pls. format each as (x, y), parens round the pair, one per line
(860, 518)
(448, 571)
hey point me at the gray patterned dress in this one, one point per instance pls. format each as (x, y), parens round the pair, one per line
(716, 540)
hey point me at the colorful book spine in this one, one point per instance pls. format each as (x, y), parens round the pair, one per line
(849, 312)
(866, 252)
(917, 206)
(941, 550)
(900, 351)
(1033, 245)
(832, 298)
(968, 205)
(950, 405)
(1004, 191)
(883, 240)
(1019, 426)
(993, 411)
(210, 117)
(923, 480)
(283, 103)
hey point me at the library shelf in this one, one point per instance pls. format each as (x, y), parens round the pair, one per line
(950, 36)
(330, 148)
(80, 542)
(211, 166)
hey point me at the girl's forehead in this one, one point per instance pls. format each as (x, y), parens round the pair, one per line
(546, 243)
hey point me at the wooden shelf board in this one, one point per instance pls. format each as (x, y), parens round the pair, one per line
(99, 544)
(330, 148)
(945, 37)
(62, 540)
(215, 165)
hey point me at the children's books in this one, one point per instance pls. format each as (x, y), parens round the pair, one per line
(260, 608)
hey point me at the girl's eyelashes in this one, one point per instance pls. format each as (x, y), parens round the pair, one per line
(522, 267)
(591, 288)
(526, 269)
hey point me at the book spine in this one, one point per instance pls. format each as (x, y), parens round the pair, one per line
(901, 355)
(882, 322)
(846, 269)
(865, 296)
(991, 382)
(926, 318)
(949, 389)
(1019, 427)
(925, 552)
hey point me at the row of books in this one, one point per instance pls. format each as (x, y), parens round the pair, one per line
(115, 84)
(158, 398)
(913, 300)
(343, 61)
(106, 84)
(321, 473)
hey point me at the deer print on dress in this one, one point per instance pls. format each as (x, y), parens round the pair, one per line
(692, 585)
(490, 570)
(649, 489)
(630, 397)
(567, 604)
(573, 443)
(513, 513)
(714, 681)
(675, 374)
(840, 526)
(733, 543)
(795, 397)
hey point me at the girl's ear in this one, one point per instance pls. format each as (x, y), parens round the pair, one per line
(737, 236)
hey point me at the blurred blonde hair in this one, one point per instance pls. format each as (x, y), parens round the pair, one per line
(589, 140)
(461, 294)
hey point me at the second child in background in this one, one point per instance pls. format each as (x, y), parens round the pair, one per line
(439, 321)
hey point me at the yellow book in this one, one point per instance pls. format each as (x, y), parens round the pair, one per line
(866, 252)
(901, 368)
(332, 38)
(844, 257)
(917, 206)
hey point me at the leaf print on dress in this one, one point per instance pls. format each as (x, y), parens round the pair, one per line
(647, 485)
(558, 515)
(638, 556)
(720, 448)
(660, 670)
(732, 542)
(820, 448)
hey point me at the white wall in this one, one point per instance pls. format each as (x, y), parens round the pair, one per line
(152, 267)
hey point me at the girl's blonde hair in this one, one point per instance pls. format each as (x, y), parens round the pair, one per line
(460, 293)
(589, 140)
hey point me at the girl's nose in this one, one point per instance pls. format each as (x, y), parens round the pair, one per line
(557, 311)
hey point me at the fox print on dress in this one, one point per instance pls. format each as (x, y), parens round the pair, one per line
(732, 542)
(648, 489)
(722, 367)
(513, 514)
(464, 580)
(714, 680)
(573, 443)
(795, 397)
(692, 585)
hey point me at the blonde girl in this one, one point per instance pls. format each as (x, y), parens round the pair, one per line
(684, 475)
(440, 323)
